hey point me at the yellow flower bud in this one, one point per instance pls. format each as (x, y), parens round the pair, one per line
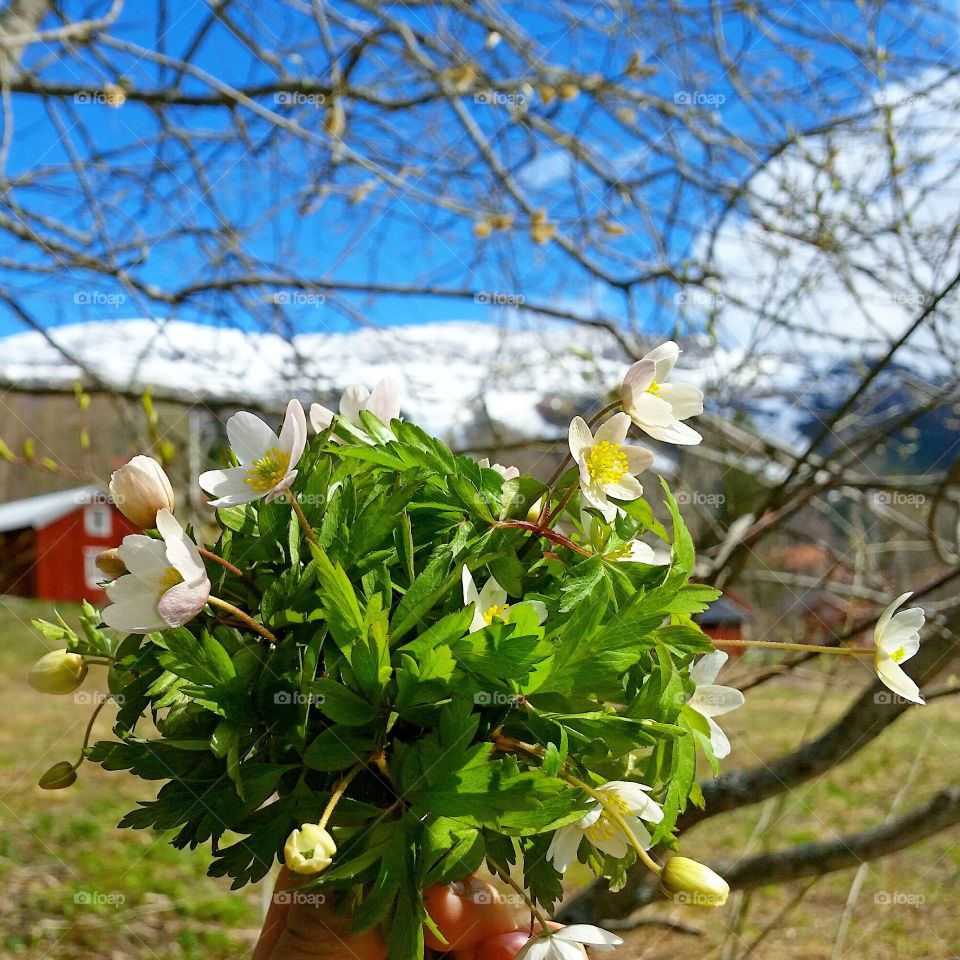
(568, 91)
(109, 562)
(482, 229)
(309, 849)
(58, 672)
(533, 514)
(59, 776)
(140, 489)
(685, 881)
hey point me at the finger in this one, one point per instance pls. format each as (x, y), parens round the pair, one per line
(465, 913)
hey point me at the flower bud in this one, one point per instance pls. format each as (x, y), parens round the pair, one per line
(533, 514)
(686, 881)
(109, 562)
(309, 849)
(57, 672)
(140, 488)
(59, 776)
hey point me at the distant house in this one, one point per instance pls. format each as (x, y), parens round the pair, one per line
(49, 544)
(725, 619)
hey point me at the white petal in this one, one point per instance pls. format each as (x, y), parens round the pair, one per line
(638, 378)
(181, 551)
(676, 432)
(492, 594)
(685, 399)
(183, 602)
(627, 487)
(250, 438)
(320, 417)
(718, 740)
(646, 410)
(354, 400)
(705, 669)
(590, 935)
(615, 846)
(664, 356)
(613, 430)
(470, 594)
(712, 700)
(888, 613)
(293, 434)
(538, 606)
(639, 552)
(564, 846)
(227, 483)
(903, 630)
(384, 402)
(638, 458)
(144, 557)
(134, 615)
(580, 439)
(894, 678)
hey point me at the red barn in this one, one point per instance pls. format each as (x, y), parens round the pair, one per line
(49, 544)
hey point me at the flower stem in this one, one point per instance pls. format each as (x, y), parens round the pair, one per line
(302, 517)
(244, 617)
(804, 647)
(617, 818)
(337, 794)
(89, 730)
(527, 899)
(226, 564)
(546, 533)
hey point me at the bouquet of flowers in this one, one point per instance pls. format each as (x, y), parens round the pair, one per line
(396, 664)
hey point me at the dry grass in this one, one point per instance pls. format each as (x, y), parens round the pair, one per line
(74, 887)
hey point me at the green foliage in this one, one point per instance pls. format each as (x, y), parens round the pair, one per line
(460, 743)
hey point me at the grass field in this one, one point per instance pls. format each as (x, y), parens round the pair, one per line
(72, 886)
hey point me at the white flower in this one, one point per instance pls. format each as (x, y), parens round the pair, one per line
(508, 473)
(309, 849)
(711, 700)
(139, 489)
(636, 551)
(167, 584)
(898, 638)
(567, 943)
(657, 407)
(267, 462)
(490, 603)
(607, 464)
(603, 831)
(383, 403)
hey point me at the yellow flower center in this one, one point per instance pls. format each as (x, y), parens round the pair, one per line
(264, 474)
(654, 388)
(170, 579)
(898, 654)
(606, 462)
(497, 611)
(605, 827)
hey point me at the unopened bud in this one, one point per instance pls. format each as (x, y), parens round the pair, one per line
(109, 562)
(686, 881)
(140, 488)
(59, 776)
(309, 849)
(58, 672)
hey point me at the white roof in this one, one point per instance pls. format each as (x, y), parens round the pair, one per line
(40, 511)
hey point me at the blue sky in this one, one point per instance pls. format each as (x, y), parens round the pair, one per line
(293, 201)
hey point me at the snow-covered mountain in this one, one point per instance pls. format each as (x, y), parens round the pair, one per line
(456, 376)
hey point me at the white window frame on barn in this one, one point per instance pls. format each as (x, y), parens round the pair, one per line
(92, 574)
(98, 520)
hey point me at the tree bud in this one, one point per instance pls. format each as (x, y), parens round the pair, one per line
(59, 776)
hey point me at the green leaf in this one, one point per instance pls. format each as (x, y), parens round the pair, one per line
(337, 749)
(201, 660)
(340, 704)
(340, 603)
